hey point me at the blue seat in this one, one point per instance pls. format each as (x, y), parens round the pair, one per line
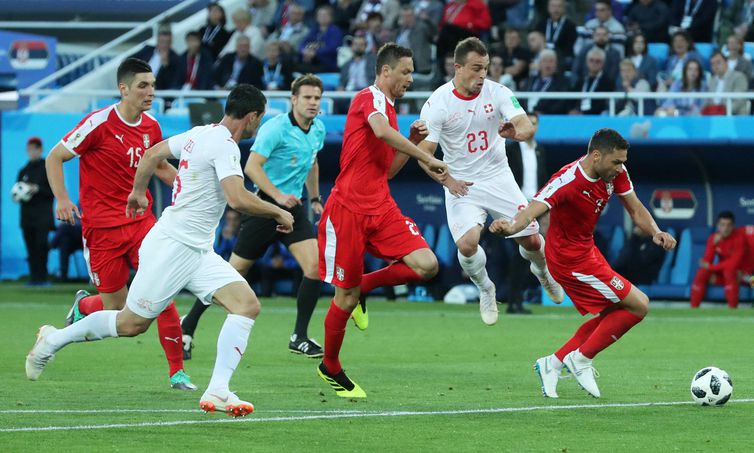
(663, 278)
(327, 106)
(445, 249)
(717, 292)
(660, 51)
(429, 232)
(276, 106)
(749, 49)
(616, 243)
(330, 80)
(705, 50)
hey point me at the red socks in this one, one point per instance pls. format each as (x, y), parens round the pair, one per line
(90, 304)
(609, 330)
(397, 273)
(578, 338)
(171, 337)
(335, 330)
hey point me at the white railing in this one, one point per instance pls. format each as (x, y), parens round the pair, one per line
(612, 98)
(57, 25)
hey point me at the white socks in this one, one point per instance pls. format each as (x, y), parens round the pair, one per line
(96, 326)
(537, 258)
(474, 266)
(231, 345)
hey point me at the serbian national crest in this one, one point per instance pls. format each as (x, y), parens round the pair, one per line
(617, 283)
(340, 273)
(146, 141)
(609, 186)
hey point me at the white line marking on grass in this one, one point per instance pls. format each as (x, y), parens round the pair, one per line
(328, 416)
(168, 411)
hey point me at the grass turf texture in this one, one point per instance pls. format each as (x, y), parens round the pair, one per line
(419, 358)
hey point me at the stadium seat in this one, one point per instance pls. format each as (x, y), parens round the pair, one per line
(749, 49)
(330, 80)
(616, 242)
(429, 232)
(660, 51)
(705, 50)
(663, 278)
(445, 248)
(276, 106)
(327, 106)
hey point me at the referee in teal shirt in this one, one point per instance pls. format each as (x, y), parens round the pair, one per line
(283, 160)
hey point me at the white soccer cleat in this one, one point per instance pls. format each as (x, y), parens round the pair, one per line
(488, 305)
(225, 401)
(548, 376)
(40, 354)
(552, 288)
(582, 368)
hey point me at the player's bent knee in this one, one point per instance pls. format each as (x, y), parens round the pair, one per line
(531, 243)
(428, 267)
(467, 247)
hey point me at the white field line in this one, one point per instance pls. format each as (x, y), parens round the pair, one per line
(160, 411)
(327, 416)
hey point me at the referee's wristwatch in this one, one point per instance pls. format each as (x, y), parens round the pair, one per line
(317, 199)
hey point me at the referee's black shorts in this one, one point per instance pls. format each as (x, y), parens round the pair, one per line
(258, 233)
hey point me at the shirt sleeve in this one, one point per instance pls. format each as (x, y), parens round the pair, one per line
(177, 143)
(433, 114)
(623, 184)
(373, 102)
(267, 139)
(555, 191)
(83, 138)
(508, 104)
(227, 160)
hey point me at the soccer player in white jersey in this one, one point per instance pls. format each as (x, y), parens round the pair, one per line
(470, 117)
(177, 252)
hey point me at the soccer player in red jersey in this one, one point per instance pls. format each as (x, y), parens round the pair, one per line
(110, 143)
(728, 244)
(360, 213)
(576, 196)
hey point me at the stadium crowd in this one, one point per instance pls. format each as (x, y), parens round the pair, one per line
(536, 45)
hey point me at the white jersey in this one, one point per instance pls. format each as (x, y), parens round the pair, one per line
(466, 128)
(207, 154)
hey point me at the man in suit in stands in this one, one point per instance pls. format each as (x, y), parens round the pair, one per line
(726, 80)
(548, 80)
(195, 65)
(239, 67)
(163, 60)
(527, 163)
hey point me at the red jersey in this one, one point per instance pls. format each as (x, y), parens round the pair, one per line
(365, 160)
(110, 150)
(576, 202)
(729, 251)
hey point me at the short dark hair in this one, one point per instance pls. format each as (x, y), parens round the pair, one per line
(306, 80)
(606, 141)
(465, 47)
(244, 99)
(129, 67)
(716, 53)
(194, 34)
(726, 215)
(604, 2)
(390, 54)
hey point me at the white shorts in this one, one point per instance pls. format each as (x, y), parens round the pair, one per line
(499, 197)
(167, 266)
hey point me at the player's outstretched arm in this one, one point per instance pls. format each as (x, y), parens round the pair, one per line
(643, 219)
(244, 201)
(387, 134)
(65, 209)
(456, 187)
(256, 173)
(166, 172)
(534, 210)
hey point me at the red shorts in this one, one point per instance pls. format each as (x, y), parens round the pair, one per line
(112, 252)
(591, 284)
(344, 236)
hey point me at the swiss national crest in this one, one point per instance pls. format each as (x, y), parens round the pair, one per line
(617, 283)
(609, 186)
(146, 141)
(488, 108)
(340, 273)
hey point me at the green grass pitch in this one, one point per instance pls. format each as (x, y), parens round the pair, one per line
(437, 379)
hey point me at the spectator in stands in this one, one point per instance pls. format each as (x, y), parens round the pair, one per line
(228, 236)
(242, 22)
(263, 14)
(603, 11)
(36, 212)
(548, 80)
(600, 40)
(515, 59)
(645, 64)
(67, 239)
(736, 58)
(726, 80)
(722, 261)
(388, 10)
(640, 259)
(290, 35)
(682, 50)
(495, 71)
(649, 17)
(214, 35)
(195, 65)
(630, 81)
(462, 19)
(691, 82)
(737, 19)
(345, 13)
(162, 59)
(418, 35)
(375, 33)
(239, 67)
(448, 69)
(429, 10)
(697, 17)
(527, 163)
(277, 73)
(535, 42)
(559, 31)
(358, 73)
(596, 80)
(319, 50)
